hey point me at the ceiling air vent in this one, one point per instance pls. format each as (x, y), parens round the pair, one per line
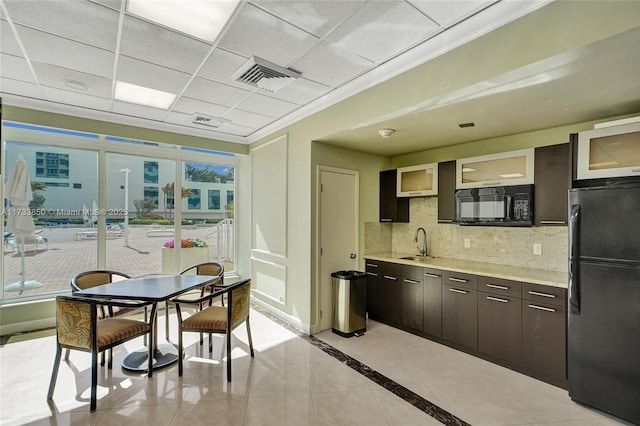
(265, 75)
(206, 120)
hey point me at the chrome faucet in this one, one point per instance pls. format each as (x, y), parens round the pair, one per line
(423, 250)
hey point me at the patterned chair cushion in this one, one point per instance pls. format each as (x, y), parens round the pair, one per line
(112, 330)
(74, 323)
(213, 318)
(93, 279)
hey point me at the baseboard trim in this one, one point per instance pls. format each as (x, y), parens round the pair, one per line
(294, 322)
(21, 327)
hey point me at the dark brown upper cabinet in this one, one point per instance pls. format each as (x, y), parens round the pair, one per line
(446, 191)
(552, 174)
(392, 208)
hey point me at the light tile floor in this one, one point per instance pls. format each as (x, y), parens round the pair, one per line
(289, 382)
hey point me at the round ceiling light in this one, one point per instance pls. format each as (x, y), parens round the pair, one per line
(76, 85)
(385, 133)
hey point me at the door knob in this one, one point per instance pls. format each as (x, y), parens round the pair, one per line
(352, 256)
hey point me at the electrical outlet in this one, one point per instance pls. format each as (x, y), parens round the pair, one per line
(537, 249)
(467, 243)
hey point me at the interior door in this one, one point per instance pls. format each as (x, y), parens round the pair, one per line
(338, 234)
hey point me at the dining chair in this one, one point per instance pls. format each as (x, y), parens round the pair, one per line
(78, 327)
(214, 269)
(92, 278)
(217, 319)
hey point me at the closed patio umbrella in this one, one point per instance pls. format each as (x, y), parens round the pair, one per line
(19, 220)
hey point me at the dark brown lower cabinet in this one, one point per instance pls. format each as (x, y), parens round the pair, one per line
(374, 297)
(460, 316)
(544, 333)
(432, 302)
(412, 303)
(500, 326)
(391, 297)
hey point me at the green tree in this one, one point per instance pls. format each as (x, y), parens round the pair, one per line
(169, 189)
(38, 199)
(144, 206)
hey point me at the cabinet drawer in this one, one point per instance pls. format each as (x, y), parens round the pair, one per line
(459, 279)
(413, 272)
(544, 294)
(499, 286)
(373, 267)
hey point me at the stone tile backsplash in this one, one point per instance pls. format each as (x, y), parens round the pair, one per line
(501, 245)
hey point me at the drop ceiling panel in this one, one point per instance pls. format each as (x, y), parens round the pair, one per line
(318, 18)
(149, 75)
(53, 76)
(138, 111)
(158, 45)
(232, 129)
(16, 68)
(213, 92)
(8, 42)
(71, 98)
(43, 47)
(265, 105)
(248, 119)
(17, 87)
(221, 65)
(446, 12)
(301, 91)
(84, 22)
(331, 65)
(256, 32)
(382, 29)
(189, 106)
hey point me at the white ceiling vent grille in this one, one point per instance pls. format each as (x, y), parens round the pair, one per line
(206, 120)
(265, 75)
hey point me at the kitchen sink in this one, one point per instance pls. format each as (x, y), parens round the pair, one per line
(418, 258)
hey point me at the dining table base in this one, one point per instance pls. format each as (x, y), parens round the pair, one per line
(164, 355)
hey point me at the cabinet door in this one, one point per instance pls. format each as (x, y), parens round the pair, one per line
(544, 341)
(500, 326)
(552, 181)
(374, 287)
(505, 168)
(460, 316)
(391, 298)
(412, 303)
(392, 209)
(446, 191)
(432, 302)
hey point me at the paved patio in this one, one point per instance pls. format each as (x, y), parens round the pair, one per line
(72, 250)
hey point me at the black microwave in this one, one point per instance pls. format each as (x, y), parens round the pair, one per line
(497, 206)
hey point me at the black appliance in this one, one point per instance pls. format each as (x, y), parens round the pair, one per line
(500, 206)
(603, 347)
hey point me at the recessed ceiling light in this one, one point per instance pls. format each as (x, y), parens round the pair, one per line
(75, 85)
(204, 19)
(386, 133)
(143, 95)
(469, 124)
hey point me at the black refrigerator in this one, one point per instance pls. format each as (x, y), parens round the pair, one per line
(603, 343)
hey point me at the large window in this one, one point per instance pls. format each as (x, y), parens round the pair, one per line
(119, 218)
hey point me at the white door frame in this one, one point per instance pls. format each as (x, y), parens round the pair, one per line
(356, 196)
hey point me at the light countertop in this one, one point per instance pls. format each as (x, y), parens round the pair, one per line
(515, 273)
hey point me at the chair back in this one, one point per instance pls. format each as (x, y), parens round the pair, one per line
(239, 302)
(89, 279)
(205, 268)
(76, 322)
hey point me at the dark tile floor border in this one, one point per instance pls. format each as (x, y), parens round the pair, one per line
(397, 389)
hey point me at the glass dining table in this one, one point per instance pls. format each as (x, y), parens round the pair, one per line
(149, 288)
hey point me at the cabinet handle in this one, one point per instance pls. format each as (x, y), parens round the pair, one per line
(385, 220)
(491, 183)
(390, 278)
(499, 287)
(455, 290)
(373, 274)
(411, 281)
(458, 280)
(553, 222)
(372, 265)
(542, 308)
(635, 170)
(445, 221)
(496, 299)
(426, 274)
(536, 293)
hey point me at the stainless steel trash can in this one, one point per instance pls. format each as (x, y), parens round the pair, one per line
(349, 303)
